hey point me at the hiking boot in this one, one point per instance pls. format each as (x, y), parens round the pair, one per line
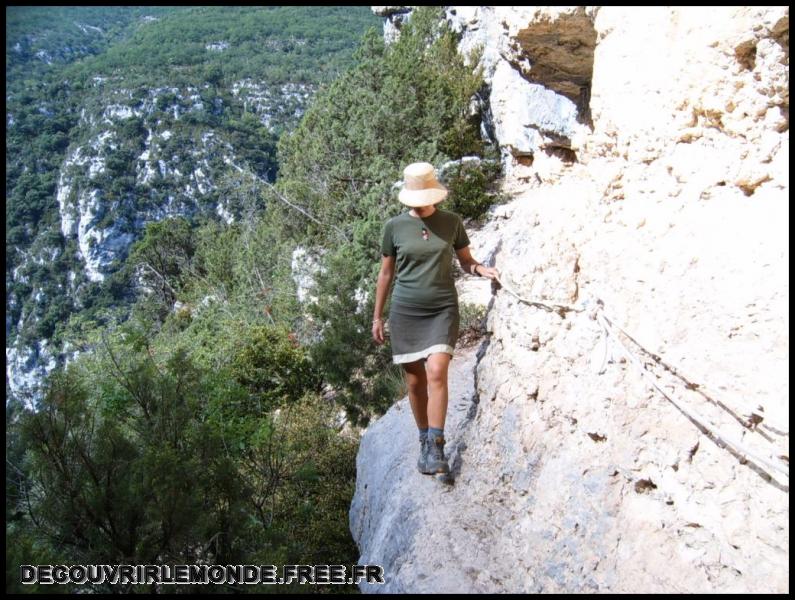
(422, 462)
(436, 462)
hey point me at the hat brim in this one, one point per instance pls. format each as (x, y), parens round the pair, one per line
(424, 197)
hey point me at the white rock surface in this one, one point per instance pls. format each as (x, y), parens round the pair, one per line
(305, 266)
(25, 368)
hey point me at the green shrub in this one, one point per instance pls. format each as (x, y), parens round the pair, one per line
(472, 189)
(472, 324)
(273, 367)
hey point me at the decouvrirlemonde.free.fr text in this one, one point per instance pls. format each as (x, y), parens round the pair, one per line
(198, 574)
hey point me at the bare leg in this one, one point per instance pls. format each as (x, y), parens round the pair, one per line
(436, 369)
(418, 391)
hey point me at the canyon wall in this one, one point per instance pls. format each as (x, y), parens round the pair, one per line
(646, 156)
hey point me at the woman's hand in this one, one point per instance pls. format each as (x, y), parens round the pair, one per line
(378, 331)
(489, 272)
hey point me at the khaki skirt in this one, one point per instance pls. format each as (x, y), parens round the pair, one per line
(416, 333)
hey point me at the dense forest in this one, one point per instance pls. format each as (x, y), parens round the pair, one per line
(211, 411)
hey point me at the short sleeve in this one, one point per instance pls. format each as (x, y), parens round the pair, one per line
(461, 239)
(387, 243)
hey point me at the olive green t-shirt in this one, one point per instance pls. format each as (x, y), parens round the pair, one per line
(424, 251)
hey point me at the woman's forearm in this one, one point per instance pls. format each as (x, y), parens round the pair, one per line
(381, 292)
(470, 266)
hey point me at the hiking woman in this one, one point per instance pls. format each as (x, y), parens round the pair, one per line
(423, 314)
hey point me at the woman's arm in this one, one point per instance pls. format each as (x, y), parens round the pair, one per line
(472, 266)
(385, 277)
(467, 262)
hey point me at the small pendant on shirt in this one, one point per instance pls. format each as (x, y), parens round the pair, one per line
(425, 234)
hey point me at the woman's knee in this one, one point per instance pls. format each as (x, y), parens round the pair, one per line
(436, 371)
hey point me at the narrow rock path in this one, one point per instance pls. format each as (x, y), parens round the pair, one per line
(443, 549)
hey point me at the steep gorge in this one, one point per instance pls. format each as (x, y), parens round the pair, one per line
(120, 116)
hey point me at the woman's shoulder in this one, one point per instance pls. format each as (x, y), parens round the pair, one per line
(453, 216)
(399, 217)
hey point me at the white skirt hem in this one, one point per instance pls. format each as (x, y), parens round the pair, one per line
(412, 356)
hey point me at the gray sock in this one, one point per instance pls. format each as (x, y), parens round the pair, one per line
(433, 433)
(423, 433)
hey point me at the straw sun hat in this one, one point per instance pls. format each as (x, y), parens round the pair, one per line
(420, 187)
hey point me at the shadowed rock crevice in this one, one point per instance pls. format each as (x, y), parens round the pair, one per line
(780, 34)
(559, 55)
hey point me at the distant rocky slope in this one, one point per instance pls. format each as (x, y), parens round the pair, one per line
(127, 146)
(646, 152)
(177, 170)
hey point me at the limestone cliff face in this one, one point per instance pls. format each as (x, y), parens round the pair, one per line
(104, 228)
(646, 151)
